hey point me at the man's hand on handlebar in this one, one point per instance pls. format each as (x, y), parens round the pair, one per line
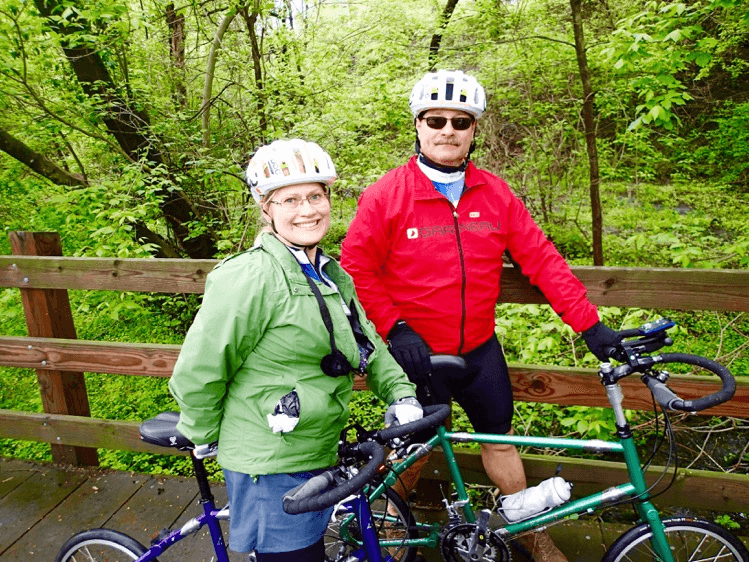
(602, 341)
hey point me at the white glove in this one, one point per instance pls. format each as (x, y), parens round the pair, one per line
(402, 411)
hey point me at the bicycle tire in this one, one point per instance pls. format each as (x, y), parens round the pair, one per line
(686, 537)
(99, 545)
(400, 526)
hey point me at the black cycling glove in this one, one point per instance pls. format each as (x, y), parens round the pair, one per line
(601, 340)
(410, 351)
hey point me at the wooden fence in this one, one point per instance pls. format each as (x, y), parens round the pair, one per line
(38, 269)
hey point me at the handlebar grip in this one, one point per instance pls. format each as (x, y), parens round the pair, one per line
(723, 395)
(663, 395)
(433, 415)
(310, 496)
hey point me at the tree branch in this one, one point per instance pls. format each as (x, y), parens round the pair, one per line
(209, 72)
(434, 46)
(37, 162)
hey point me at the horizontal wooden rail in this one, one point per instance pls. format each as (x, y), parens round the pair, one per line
(127, 274)
(693, 488)
(559, 385)
(690, 289)
(78, 431)
(156, 360)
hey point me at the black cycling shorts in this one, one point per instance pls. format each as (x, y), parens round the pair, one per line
(483, 389)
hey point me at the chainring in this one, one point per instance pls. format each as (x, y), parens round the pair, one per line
(455, 542)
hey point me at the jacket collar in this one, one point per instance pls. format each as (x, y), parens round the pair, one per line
(424, 188)
(291, 267)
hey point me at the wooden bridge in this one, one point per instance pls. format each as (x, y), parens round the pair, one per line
(41, 505)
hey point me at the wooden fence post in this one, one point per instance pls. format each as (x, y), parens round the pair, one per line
(48, 315)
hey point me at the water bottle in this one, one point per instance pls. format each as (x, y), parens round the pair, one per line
(532, 501)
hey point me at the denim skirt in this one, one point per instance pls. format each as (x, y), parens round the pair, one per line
(258, 521)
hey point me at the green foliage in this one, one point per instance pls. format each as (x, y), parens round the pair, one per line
(724, 147)
(19, 390)
(655, 46)
(341, 77)
(726, 521)
(681, 224)
(539, 419)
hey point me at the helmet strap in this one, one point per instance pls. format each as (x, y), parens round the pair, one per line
(470, 150)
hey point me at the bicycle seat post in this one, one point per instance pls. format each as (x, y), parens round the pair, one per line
(202, 477)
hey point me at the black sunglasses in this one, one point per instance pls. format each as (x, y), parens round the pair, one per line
(458, 123)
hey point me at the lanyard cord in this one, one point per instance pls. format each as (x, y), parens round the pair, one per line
(340, 363)
(324, 312)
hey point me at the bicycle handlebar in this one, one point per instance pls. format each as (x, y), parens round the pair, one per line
(669, 399)
(322, 491)
(312, 495)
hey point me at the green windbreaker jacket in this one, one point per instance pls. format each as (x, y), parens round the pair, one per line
(258, 336)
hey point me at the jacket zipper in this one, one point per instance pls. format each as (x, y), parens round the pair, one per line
(462, 284)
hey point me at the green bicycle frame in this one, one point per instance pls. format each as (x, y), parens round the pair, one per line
(636, 488)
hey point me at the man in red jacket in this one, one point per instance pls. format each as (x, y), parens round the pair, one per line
(425, 251)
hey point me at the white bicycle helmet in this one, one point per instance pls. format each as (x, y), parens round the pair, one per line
(448, 89)
(288, 162)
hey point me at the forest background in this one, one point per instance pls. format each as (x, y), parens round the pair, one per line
(623, 126)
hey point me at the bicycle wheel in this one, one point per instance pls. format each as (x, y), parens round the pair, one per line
(392, 520)
(100, 545)
(689, 539)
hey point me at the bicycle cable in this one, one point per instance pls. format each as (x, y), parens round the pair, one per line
(659, 437)
(672, 456)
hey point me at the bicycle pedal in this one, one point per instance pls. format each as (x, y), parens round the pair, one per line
(160, 536)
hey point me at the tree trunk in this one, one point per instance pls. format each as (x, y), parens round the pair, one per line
(257, 65)
(434, 46)
(129, 126)
(176, 23)
(589, 123)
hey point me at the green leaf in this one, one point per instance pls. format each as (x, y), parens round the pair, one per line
(703, 59)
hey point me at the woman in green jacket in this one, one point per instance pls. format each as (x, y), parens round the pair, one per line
(267, 367)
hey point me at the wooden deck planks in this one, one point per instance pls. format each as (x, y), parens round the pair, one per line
(43, 505)
(90, 505)
(33, 500)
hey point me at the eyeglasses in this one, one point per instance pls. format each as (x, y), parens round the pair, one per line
(458, 123)
(291, 203)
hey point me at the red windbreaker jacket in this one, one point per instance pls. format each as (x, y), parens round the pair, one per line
(415, 257)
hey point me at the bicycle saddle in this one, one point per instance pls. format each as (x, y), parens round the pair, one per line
(162, 431)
